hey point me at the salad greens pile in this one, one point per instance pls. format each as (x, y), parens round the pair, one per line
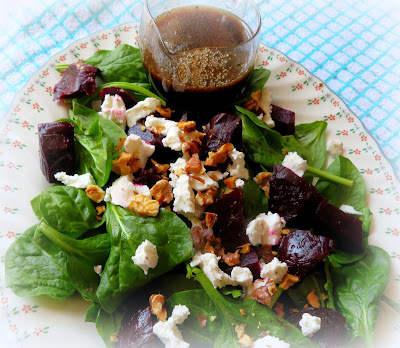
(56, 256)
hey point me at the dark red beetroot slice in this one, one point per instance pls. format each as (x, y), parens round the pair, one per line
(230, 225)
(250, 260)
(332, 329)
(77, 79)
(223, 128)
(146, 178)
(293, 198)
(345, 229)
(56, 148)
(303, 251)
(284, 120)
(146, 135)
(136, 330)
(129, 101)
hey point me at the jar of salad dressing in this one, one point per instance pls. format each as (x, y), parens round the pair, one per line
(199, 53)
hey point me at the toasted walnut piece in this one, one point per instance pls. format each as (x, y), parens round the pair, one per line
(159, 168)
(98, 218)
(262, 179)
(285, 152)
(121, 165)
(230, 182)
(200, 236)
(202, 320)
(198, 179)
(209, 249)
(262, 294)
(144, 206)
(168, 207)
(288, 281)
(293, 310)
(164, 111)
(114, 337)
(232, 259)
(244, 339)
(207, 197)
(190, 148)
(187, 126)
(95, 193)
(100, 209)
(272, 289)
(324, 296)
(220, 156)
(211, 219)
(285, 231)
(253, 104)
(120, 143)
(306, 306)
(194, 166)
(162, 192)
(157, 306)
(245, 249)
(265, 253)
(239, 329)
(313, 299)
(278, 309)
(242, 311)
(274, 252)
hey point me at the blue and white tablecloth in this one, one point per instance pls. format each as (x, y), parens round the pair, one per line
(352, 45)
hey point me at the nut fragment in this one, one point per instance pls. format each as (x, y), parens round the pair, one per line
(209, 249)
(114, 337)
(159, 168)
(100, 209)
(194, 165)
(245, 249)
(199, 236)
(278, 309)
(120, 143)
(187, 126)
(285, 231)
(190, 148)
(230, 182)
(95, 193)
(121, 165)
(202, 320)
(220, 156)
(242, 311)
(263, 294)
(211, 219)
(162, 192)
(288, 281)
(232, 259)
(244, 339)
(164, 111)
(144, 206)
(313, 299)
(207, 197)
(157, 306)
(262, 179)
(157, 129)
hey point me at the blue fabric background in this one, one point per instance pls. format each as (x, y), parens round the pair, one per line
(354, 46)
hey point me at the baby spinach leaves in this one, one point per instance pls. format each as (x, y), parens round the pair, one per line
(254, 200)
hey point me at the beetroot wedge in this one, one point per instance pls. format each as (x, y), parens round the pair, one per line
(345, 229)
(230, 225)
(250, 260)
(302, 251)
(284, 120)
(129, 101)
(293, 198)
(146, 135)
(144, 177)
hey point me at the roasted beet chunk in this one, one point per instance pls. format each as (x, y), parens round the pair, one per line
(222, 129)
(146, 135)
(56, 148)
(250, 260)
(129, 101)
(230, 225)
(332, 329)
(144, 177)
(136, 330)
(302, 251)
(78, 78)
(284, 120)
(293, 198)
(345, 229)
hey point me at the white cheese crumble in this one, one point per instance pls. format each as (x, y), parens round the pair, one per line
(173, 139)
(237, 168)
(242, 276)
(295, 163)
(199, 185)
(239, 183)
(309, 324)
(335, 147)
(98, 269)
(113, 109)
(78, 181)
(184, 196)
(141, 110)
(265, 104)
(176, 170)
(217, 174)
(152, 121)
(349, 209)
(274, 269)
(270, 341)
(139, 149)
(265, 229)
(168, 332)
(146, 256)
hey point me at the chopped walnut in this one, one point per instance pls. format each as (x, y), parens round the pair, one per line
(265, 253)
(244, 339)
(278, 309)
(194, 165)
(293, 310)
(324, 296)
(157, 306)
(220, 156)
(306, 306)
(242, 311)
(200, 236)
(120, 143)
(211, 219)
(285, 152)
(202, 320)
(144, 206)
(207, 197)
(114, 337)
(313, 299)
(245, 249)
(285, 231)
(288, 281)
(159, 168)
(189, 149)
(187, 126)
(209, 249)
(262, 179)
(232, 259)
(164, 111)
(157, 129)
(95, 193)
(239, 329)
(263, 294)
(162, 192)
(98, 218)
(100, 209)
(253, 104)
(121, 165)
(230, 182)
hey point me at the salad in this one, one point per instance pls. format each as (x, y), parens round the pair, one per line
(209, 234)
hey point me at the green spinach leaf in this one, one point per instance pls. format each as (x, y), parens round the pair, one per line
(299, 292)
(92, 312)
(328, 286)
(108, 325)
(254, 83)
(232, 291)
(255, 200)
(83, 115)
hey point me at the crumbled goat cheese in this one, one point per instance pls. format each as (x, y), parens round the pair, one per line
(146, 256)
(196, 182)
(242, 276)
(270, 341)
(266, 106)
(139, 149)
(152, 121)
(176, 170)
(265, 229)
(98, 269)
(349, 209)
(168, 332)
(78, 181)
(173, 139)
(295, 163)
(239, 183)
(335, 147)
(184, 196)
(217, 174)
(237, 168)
(309, 324)
(113, 109)
(274, 269)
(141, 110)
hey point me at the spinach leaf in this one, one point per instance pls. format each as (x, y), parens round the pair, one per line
(255, 200)
(357, 290)
(30, 271)
(121, 64)
(254, 83)
(67, 209)
(108, 325)
(81, 257)
(309, 142)
(83, 115)
(92, 312)
(127, 231)
(328, 286)
(232, 291)
(311, 282)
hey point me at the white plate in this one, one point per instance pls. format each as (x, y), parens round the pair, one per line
(45, 322)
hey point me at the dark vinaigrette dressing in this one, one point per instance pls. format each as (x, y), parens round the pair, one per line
(206, 68)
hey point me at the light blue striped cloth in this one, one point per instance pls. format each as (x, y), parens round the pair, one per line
(352, 45)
